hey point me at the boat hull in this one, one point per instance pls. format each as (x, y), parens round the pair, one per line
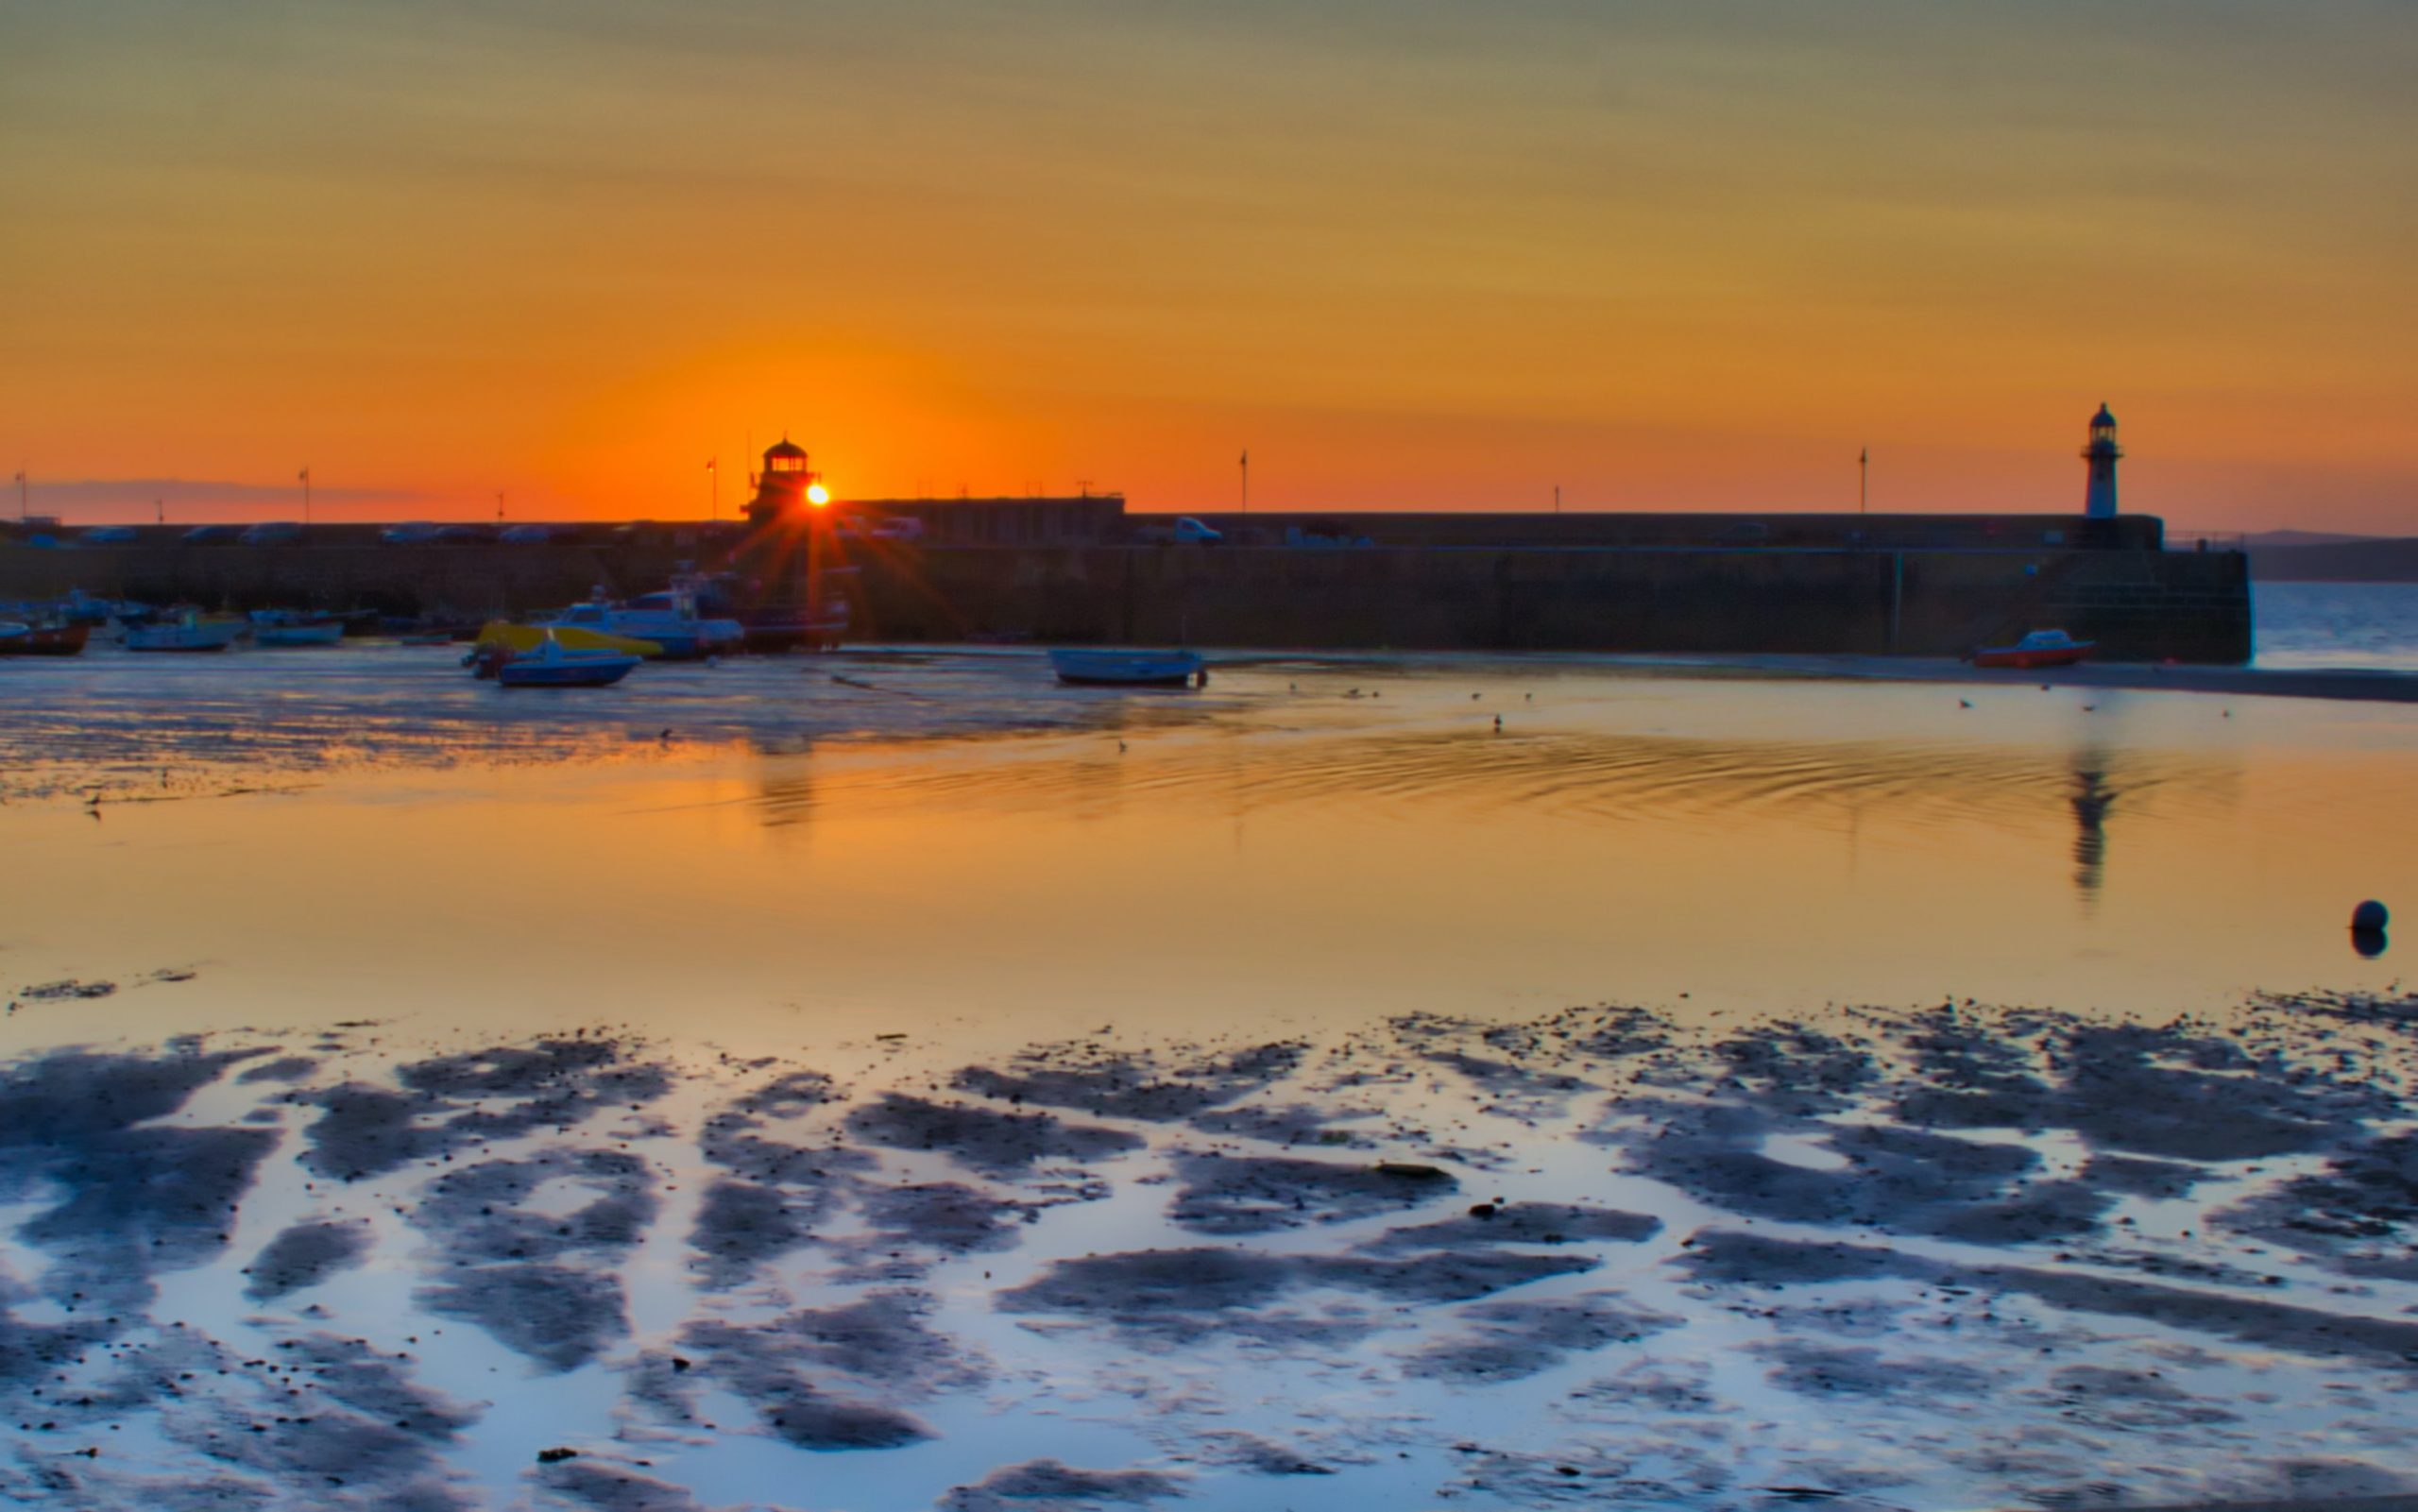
(1126, 669)
(61, 640)
(601, 670)
(2016, 657)
(183, 637)
(318, 635)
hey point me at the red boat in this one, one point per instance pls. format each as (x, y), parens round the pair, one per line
(2041, 648)
(43, 641)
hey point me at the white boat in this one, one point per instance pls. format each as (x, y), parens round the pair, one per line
(1128, 669)
(188, 631)
(285, 627)
(669, 618)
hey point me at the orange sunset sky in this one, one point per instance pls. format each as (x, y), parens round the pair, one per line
(1411, 254)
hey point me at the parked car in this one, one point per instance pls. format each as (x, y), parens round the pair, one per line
(211, 534)
(272, 533)
(464, 535)
(416, 533)
(108, 536)
(527, 535)
(898, 528)
(1190, 531)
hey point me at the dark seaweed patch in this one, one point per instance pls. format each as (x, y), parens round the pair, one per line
(1246, 1193)
(305, 1255)
(983, 1137)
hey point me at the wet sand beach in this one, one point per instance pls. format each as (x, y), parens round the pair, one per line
(753, 1090)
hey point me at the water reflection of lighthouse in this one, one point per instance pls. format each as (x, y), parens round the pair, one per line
(2091, 798)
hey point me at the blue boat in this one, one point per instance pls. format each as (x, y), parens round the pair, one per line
(556, 665)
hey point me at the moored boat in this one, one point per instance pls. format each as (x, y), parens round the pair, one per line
(671, 620)
(1128, 669)
(2041, 648)
(552, 664)
(43, 641)
(288, 627)
(188, 631)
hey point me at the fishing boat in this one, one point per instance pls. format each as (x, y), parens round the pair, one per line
(288, 627)
(669, 619)
(41, 640)
(552, 664)
(188, 631)
(2041, 648)
(1128, 669)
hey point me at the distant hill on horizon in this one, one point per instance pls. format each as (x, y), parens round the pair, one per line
(2350, 559)
(2301, 538)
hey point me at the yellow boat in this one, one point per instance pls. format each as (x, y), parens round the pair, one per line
(522, 639)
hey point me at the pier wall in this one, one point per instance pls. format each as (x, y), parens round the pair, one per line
(2141, 604)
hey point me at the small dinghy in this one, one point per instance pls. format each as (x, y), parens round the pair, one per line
(1128, 669)
(2041, 648)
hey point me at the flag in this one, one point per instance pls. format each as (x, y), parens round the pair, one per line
(1864, 457)
(304, 476)
(1246, 459)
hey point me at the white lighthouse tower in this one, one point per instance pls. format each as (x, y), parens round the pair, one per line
(2099, 497)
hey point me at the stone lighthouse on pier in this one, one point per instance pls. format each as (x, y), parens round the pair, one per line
(2099, 497)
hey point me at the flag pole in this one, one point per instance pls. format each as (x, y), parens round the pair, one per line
(306, 496)
(1863, 479)
(1246, 480)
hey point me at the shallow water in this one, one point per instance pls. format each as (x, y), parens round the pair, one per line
(946, 880)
